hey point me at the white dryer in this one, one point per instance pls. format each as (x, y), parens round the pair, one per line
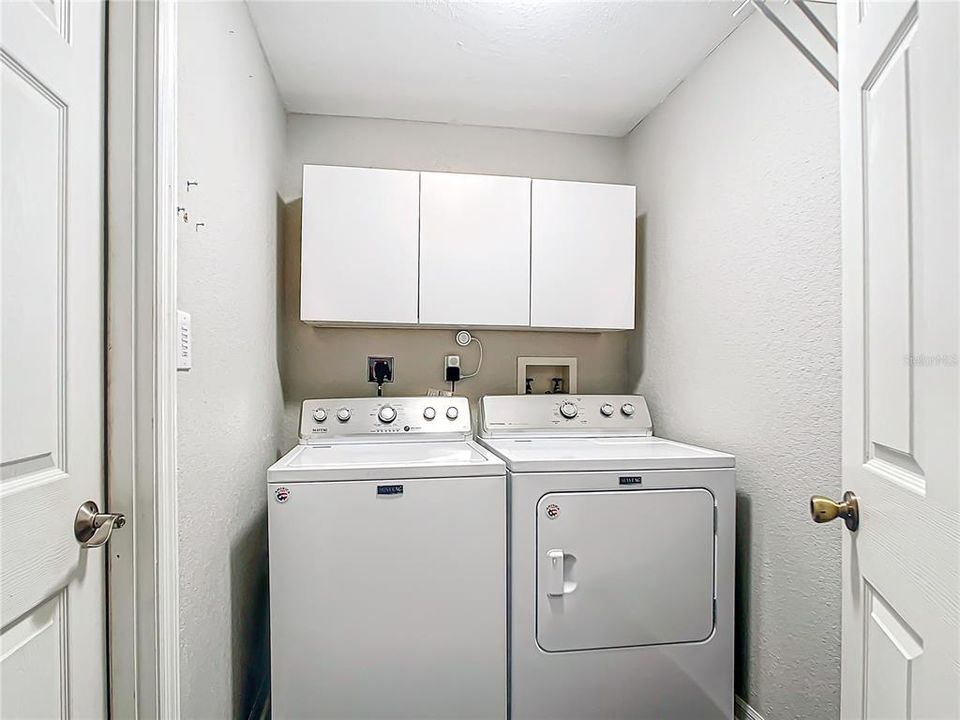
(387, 530)
(621, 552)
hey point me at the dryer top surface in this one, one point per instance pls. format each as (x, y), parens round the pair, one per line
(604, 453)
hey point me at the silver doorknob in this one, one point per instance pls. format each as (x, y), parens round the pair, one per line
(93, 528)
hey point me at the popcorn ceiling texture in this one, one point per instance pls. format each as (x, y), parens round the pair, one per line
(583, 67)
(737, 178)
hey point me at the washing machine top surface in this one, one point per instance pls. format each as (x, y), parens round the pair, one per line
(385, 460)
(559, 433)
(376, 438)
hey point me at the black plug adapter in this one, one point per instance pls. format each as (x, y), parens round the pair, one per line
(451, 368)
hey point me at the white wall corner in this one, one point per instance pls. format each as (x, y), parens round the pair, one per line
(743, 711)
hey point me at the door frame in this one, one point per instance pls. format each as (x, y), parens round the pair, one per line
(141, 433)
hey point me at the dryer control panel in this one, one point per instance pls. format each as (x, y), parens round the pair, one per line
(391, 418)
(559, 415)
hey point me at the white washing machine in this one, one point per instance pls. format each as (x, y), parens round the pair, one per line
(387, 528)
(621, 552)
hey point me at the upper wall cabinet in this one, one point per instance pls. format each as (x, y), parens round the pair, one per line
(474, 250)
(389, 247)
(359, 249)
(583, 255)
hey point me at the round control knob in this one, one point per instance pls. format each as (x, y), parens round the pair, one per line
(628, 409)
(319, 414)
(606, 409)
(343, 414)
(387, 414)
(568, 410)
(452, 413)
(429, 413)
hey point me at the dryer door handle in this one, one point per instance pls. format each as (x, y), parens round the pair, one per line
(555, 572)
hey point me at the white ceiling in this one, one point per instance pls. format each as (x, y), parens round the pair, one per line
(582, 67)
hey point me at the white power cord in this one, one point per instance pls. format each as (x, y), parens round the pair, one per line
(463, 339)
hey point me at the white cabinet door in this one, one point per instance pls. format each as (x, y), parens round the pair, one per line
(359, 245)
(583, 250)
(474, 249)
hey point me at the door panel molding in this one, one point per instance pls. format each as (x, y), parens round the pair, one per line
(888, 256)
(37, 641)
(58, 13)
(890, 646)
(27, 457)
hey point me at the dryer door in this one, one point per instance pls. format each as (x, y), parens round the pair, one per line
(624, 568)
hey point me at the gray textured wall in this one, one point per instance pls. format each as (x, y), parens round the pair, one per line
(231, 130)
(325, 362)
(738, 191)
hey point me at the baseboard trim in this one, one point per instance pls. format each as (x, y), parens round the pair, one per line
(743, 711)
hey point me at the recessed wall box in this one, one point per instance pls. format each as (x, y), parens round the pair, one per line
(540, 375)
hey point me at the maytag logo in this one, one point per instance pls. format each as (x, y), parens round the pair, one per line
(389, 489)
(630, 480)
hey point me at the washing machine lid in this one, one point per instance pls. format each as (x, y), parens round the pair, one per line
(384, 460)
(604, 453)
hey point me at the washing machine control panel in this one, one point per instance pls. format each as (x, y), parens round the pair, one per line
(573, 414)
(393, 418)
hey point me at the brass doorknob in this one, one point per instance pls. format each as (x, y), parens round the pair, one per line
(824, 510)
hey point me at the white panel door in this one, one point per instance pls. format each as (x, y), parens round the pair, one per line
(359, 245)
(583, 255)
(899, 93)
(474, 249)
(52, 610)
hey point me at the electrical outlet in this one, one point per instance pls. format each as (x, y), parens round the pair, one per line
(380, 369)
(451, 368)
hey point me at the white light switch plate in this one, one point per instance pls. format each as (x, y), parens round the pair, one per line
(184, 341)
